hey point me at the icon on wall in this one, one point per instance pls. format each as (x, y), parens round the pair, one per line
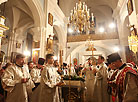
(50, 19)
(49, 45)
(18, 45)
(130, 7)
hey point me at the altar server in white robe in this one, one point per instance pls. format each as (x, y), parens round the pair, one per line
(89, 77)
(100, 85)
(36, 72)
(50, 79)
(17, 81)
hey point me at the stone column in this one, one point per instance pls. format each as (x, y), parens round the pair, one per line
(60, 57)
(42, 42)
(10, 43)
(121, 38)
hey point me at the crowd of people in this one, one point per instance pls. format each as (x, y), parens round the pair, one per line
(114, 81)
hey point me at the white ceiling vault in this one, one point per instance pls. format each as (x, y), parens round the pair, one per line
(98, 7)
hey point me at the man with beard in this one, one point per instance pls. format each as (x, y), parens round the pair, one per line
(16, 81)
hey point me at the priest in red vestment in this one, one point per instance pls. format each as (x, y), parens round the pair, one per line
(126, 80)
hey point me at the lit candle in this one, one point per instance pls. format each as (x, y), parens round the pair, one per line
(68, 18)
(75, 12)
(71, 14)
(86, 7)
(84, 17)
(88, 13)
(88, 10)
(76, 6)
(92, 17)
(72, 11)
(79, 6)
(71, 17)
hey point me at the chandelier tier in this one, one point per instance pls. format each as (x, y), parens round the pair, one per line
(79, 19)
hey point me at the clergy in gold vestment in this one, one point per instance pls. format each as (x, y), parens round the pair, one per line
(50, 79)
(17, 81)
(100, 85)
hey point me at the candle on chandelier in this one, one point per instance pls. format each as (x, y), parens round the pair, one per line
(79, 6)
(71, 16)
(84, 17)
(83, 5)
(76, 6)
(88, 12)
(72, 11)
(86, 7)
(68, 18)
(92, 17)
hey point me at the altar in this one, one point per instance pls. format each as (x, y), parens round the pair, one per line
(77, 91)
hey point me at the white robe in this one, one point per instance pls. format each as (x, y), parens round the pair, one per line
(49, 79)
(17, 91)
(100, 85)
(36, 75)
(89, 83)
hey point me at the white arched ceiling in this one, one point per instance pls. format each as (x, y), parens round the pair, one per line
(123, 25)
(107, 46)
(32, 15)
(37, 12)
(22, 12)
(70, 4)
(60, 33)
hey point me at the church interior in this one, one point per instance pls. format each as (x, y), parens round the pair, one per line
(31, 23)
(72, 30)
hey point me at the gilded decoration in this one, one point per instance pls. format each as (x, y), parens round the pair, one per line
(130, 7)
(50, 19)
(133, 40)
(49, 46)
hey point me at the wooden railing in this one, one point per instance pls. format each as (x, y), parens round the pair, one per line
(78, 38)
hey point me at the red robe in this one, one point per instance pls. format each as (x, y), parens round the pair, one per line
(120, 82)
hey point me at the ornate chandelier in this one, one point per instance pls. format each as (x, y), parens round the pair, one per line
(2, 20)
(2, 26)
(90, 44)
(79, 19)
